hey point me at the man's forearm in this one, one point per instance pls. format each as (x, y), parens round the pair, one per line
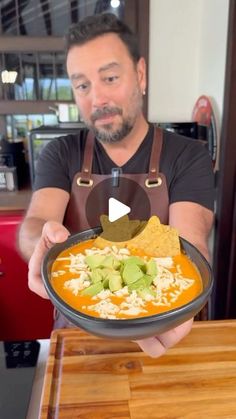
(28, 235)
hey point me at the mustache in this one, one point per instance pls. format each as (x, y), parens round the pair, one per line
(106, 110)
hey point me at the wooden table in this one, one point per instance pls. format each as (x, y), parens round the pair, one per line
(92, 378)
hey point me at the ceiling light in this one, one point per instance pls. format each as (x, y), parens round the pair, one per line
(115, 3)
(9, 76)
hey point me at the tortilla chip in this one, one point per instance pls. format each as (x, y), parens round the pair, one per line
(156, 239)
(136, 226)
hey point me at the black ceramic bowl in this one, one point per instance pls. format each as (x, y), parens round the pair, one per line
(131, 329)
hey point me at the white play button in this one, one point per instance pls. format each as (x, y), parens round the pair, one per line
(116, 209)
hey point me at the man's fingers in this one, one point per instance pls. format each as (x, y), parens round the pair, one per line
(38, 287)
(151, 346)
(158, 345)
(34, 277)
(52, 233)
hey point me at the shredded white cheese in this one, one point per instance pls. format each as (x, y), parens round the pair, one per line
(166, 289)
(77, 284)
(58, 273)
(167, 262)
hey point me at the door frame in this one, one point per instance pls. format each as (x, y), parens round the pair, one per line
(224, 257)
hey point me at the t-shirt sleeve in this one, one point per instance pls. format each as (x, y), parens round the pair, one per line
(193, 178)
(52, 167)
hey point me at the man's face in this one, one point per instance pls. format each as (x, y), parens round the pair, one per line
(107, 86)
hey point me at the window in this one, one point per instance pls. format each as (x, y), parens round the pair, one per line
(19, 126)
(40, 76)
(50, 17)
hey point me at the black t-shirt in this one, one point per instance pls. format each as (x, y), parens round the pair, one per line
(185, 162)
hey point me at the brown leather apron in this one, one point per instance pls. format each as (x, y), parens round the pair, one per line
(153, 182)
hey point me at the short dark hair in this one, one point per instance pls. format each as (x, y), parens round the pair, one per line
(97, 25)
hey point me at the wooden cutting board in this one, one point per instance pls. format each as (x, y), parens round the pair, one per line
(92, 378)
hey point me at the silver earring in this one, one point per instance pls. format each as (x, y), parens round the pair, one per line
(144, 92)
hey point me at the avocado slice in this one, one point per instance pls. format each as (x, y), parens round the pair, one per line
(131, 273)
(96, 275)
(105, 283)
(135, 260)
(151, 267)
(140, 283)
(143, 292)
(107, 271)
(111, 262)
(115, 282)
(94, 261)
(93, 289)
(148, 280)
(121, 268)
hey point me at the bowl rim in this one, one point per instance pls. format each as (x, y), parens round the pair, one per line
(58, 301)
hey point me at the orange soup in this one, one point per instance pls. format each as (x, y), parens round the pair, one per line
(115, 283)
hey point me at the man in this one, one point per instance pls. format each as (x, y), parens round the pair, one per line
(108, 78)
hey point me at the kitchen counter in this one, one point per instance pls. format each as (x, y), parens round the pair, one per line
(34, 406)
(15, 200)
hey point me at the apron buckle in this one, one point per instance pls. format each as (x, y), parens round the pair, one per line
(85, 182)
(115, 173)
(153, 183)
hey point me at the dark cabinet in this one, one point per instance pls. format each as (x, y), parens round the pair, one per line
(23, 314)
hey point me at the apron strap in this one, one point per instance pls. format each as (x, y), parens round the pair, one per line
(85, 179)
(156, 152)
(153, 178)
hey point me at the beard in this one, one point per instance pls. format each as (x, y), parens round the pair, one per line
(109, 134)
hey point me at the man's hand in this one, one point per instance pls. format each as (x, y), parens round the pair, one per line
(52, 233)
(158, 345)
